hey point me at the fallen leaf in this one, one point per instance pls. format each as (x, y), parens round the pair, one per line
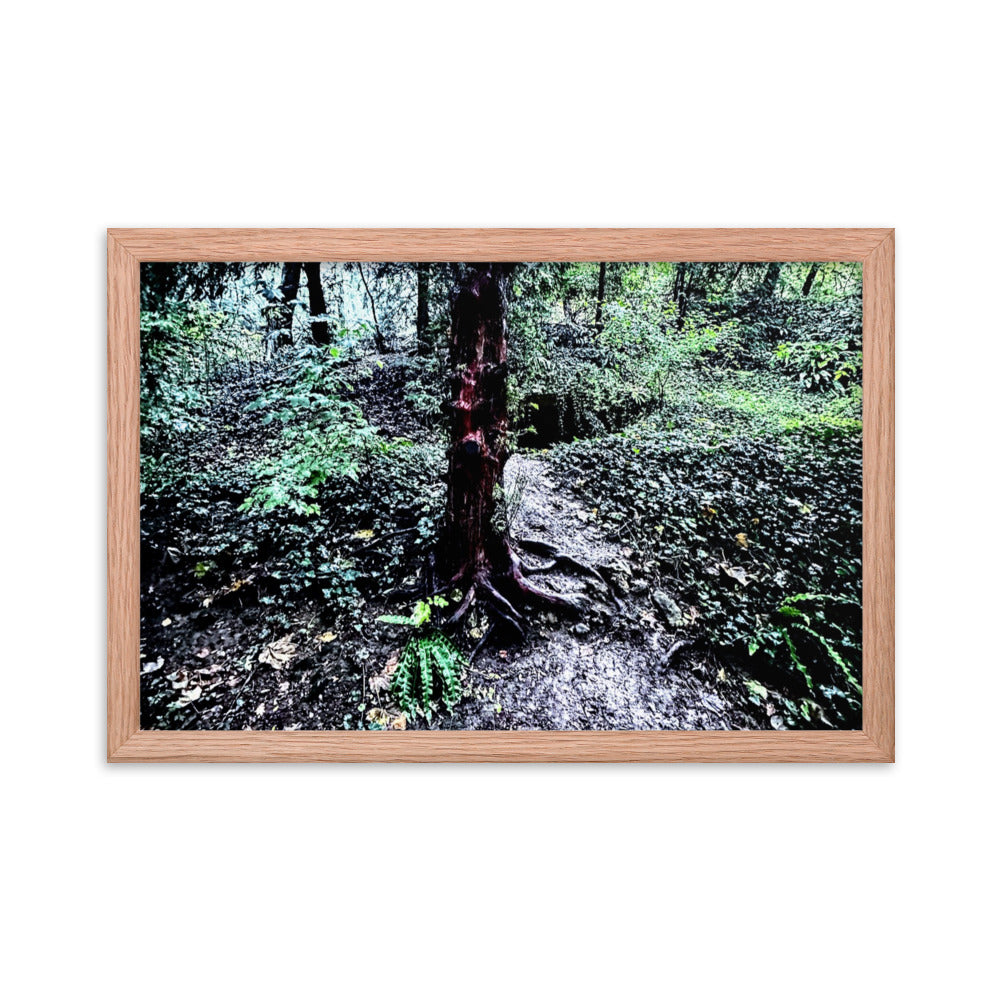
(203, 653)
(276, 654)
(379, 682)
(738, 573)
(191, 694)
(260, 710)
(326, 637)
(398, 721)
(379, 716)
(741, 541)
(364, 533)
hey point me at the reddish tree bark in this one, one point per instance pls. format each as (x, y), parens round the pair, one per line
(474, 554)
(478, 360)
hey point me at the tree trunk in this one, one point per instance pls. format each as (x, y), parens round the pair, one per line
(478, 453)
(424, 344)
(284, 312)
(317, 305)
(602, 275)
(380, 343)
(810, 278)
(770, 283)
(680, 294)
(475, 554)
(733, 279)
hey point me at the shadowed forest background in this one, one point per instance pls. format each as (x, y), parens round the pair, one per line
(548, 496)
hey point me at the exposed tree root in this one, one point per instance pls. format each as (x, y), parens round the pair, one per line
(537, 593)
(558, 558)
(482, 643)
(504, 586)
(470, 596)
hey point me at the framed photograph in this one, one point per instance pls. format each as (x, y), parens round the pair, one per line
(500, 495)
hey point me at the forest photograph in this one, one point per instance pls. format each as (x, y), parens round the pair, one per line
(500, 496)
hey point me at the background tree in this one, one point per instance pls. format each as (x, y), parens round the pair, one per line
(424, 342)
(282, 312)
(380, 340)
(317, 305)
(810, 278)
(769, 285)
(602, 275)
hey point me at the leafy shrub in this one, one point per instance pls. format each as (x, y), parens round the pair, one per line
(821, 364)
(171, 392)
(323, 435)
(734, 524)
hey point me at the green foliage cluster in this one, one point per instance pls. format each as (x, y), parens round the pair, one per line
(739, 516)
(820, 364)
(430, 667)
(323, 436)
(171, 386)
(325, 507)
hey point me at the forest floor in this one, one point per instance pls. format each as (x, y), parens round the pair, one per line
(621, 665)
(214, 658)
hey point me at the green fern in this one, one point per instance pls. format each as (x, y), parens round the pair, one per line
(430, 667)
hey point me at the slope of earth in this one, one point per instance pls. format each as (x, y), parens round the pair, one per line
(219, 653)
(621, 665)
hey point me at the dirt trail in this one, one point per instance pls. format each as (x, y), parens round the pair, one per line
(609, 668)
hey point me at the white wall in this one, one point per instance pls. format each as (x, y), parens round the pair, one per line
(554, 881)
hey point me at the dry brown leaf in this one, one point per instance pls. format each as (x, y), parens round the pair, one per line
(326, 637)
(398, 721)
(741, 541)
(379, 716)
(277, 654)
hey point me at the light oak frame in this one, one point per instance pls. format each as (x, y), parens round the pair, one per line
(127, 248)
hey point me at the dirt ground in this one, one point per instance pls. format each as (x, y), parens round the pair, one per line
(626, 664)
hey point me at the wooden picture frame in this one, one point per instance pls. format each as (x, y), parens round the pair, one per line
(874, 248)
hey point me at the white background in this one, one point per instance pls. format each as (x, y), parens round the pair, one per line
(204, 881)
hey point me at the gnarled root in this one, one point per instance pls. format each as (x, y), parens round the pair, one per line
(537, 593)
(557, 558)
(499, 586)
